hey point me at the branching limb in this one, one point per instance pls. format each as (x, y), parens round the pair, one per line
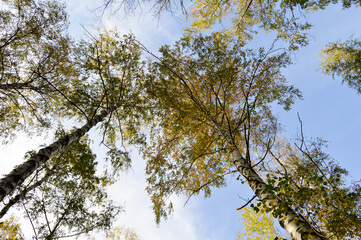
(66, 98)
(246, 204)
(194, 191)
(265, 154)
(22, 194)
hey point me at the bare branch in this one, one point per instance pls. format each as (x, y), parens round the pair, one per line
(194, 191)
(302, 138)
(248, 202)
(31, 221)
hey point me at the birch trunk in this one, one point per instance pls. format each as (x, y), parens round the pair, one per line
(288, 219)
(21, 172)
(22, 194)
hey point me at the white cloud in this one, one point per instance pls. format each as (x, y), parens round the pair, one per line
(130, 190)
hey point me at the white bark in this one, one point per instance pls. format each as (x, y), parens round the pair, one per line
(289, 220)
(21, 172)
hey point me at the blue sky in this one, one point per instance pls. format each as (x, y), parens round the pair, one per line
(329, 110)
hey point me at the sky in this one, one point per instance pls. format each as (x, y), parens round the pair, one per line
(329, 110)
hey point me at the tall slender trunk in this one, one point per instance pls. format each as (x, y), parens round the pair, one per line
(288, 219)
(21, 172)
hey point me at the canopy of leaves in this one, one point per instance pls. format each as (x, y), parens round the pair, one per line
(243, 19)
(344, 59)
(258, 225)
(34, 62)
(73, 200)
(10, 229)
(202, 79)
(315, 186)
(110, 75)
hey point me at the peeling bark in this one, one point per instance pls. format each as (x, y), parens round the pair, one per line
(17, 176)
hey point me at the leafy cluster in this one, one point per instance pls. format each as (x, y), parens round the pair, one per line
(344, 59)
(258, 225)
(120, 233)
(247, 18)
(199, 84)
(315, 186)
(34, 63)
(72, 198)
(10, 229)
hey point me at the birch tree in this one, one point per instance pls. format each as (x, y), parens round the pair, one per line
(309, 180)
(215, 118)
(312, 182)
(94, 82)
(66, 196)
(107, 91)
(73, 200)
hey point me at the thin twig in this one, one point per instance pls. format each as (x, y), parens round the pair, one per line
(207, 183)
(245, 205)
(31, 221)
(66, 98)
(302, 138)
